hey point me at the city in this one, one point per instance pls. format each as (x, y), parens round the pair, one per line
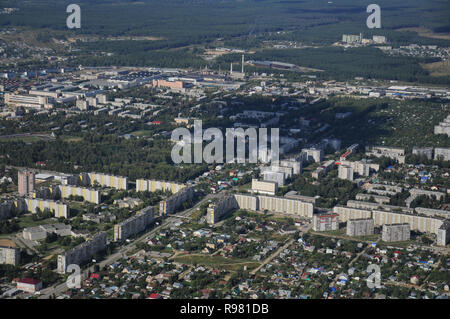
(350, 200)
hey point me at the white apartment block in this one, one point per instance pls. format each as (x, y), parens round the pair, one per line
(443, 127)
(345, 172)
(117, 182)
(264, 187)
(153, 186)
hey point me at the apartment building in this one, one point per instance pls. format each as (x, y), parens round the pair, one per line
(26, 182)
(171, 204)
(442, 154)
(89, 194)
(312, 154)
(396, 232)
(443, 127)
(275, 204)
(423, 151)
(82, 252)
(345, 172)
(295, 164)
(277, 177)
(134, 225)
(325, 222)
(443, 235)
(360, 227)
(397, 154)
(153, 186)
(117, 182)
(360, 167)
(33, 204)
(264, 187)
(220, 208)
(9, 255)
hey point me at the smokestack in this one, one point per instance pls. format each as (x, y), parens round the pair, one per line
(231, 68)
(242, 64)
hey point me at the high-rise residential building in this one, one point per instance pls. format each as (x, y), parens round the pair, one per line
(82, 252)
(443, 234)
(423, 151)
(325, 222)
(442, 154)
(360, 227)
(345, 172)
(153, 186)
(26, 181)
(277, 177)
(264, 187)
(172, 203)
(9, 255)
(218, 209)
(312, 154)
(134, 225)
(396, 232)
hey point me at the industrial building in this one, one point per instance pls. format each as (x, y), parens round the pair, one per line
(27, 101)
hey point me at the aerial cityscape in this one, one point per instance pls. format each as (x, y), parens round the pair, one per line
(224, 150)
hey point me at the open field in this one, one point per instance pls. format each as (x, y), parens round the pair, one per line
(441, 68)
(426, 33)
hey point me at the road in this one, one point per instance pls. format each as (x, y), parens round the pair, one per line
(123, 251)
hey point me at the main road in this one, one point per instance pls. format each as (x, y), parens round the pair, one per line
(170, 220)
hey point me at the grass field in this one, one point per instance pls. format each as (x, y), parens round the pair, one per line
(441, 68)
(216, 261)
